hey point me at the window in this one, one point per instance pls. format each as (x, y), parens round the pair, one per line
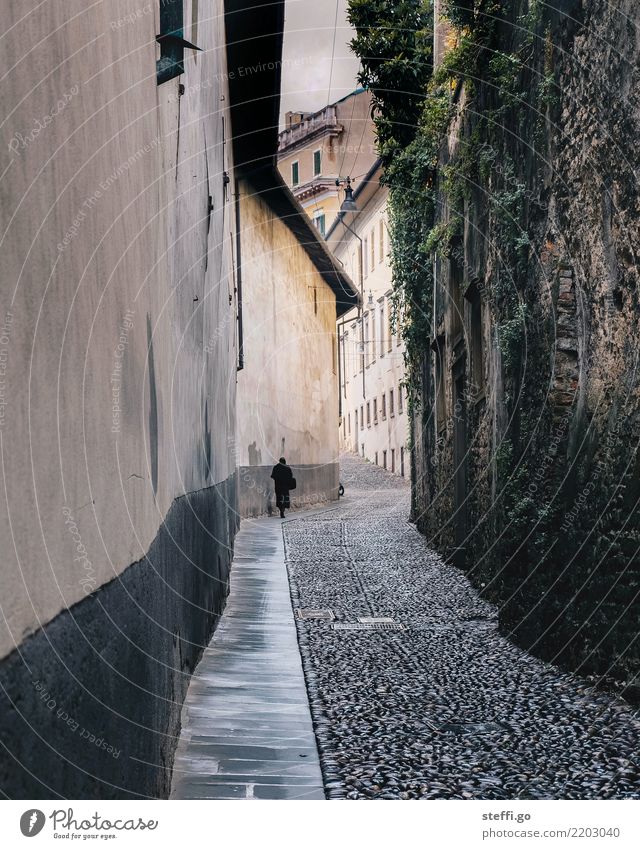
(393, 459)
(477, 352)
(391, 410)
(400, 399)
(317, 163)
(381, 240)
(384, 405)
(171, 40)
(384, 459)
(439, 377)
(382, 329)
(354, 347)
(368, 414)
(194, 22)
(373, 249)
(361, 418)
(372, 341)
(349, 422)
(455, 304)
(366, 342)
(319, 221)
(375, 411)
(389, 336)
(356, 421)
(295, 173)
(402, 462)
(365, 251)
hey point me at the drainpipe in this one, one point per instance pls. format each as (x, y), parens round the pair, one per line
(240, 365)
(361, 304)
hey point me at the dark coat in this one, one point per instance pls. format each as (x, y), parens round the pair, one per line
(282, 475)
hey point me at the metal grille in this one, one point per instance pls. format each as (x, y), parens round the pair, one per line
(367, 626)
(376, 620)
(312, 613)
(472, 727)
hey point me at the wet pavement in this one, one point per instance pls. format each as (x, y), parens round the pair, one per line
(434, 703)
(247, 730)
(412, 690)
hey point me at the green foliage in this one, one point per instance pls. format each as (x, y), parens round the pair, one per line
(511, 337)
(549, 569)
(394, 41)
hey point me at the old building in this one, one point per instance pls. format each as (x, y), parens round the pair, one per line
(317, 148)
(373, 408)
(122, 337)
(293, 291)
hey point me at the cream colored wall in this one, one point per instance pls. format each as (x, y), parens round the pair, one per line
(118, 291)
(352, 153)
(384, 369)
(288, 388)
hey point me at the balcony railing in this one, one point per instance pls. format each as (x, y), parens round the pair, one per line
(320, 122)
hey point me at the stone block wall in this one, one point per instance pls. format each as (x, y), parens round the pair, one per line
(553, 484)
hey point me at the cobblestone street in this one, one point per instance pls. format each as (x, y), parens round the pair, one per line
(434, 703)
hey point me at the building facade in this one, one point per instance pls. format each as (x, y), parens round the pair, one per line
(315, 149)
(123, 161)
(373, 404)
(293, 291)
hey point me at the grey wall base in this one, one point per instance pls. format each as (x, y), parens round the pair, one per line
(315, 485)
(90, 705)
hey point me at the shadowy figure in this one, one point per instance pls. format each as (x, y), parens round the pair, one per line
(284, 482)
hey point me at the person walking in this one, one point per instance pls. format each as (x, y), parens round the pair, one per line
(284, 482)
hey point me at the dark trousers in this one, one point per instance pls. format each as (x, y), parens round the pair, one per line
(282, 501)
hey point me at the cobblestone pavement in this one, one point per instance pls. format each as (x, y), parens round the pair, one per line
(445, 708)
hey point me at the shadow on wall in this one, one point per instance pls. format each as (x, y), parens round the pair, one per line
(90, 704)
(316, 484)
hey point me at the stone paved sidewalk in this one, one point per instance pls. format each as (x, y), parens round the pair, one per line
(246, 726)
(445, 707)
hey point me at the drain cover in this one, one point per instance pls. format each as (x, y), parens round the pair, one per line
(367, 626)
(472, 727)
(311, 613)
(375, 620)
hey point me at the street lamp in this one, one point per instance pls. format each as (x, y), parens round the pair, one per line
(348, 204)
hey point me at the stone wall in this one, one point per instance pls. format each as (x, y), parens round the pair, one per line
(550, 240)
(91, 704)
(314, 485)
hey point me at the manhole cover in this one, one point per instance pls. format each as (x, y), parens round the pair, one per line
(367, 626)
(472, 727)
(376, 620)
(311, 613)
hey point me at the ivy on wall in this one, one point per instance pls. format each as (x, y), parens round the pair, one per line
(555, 574)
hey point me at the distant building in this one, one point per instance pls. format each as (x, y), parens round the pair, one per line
(316, 148)
(373, 404)
(293, 291)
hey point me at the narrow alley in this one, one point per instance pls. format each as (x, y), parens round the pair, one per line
(413, 692)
